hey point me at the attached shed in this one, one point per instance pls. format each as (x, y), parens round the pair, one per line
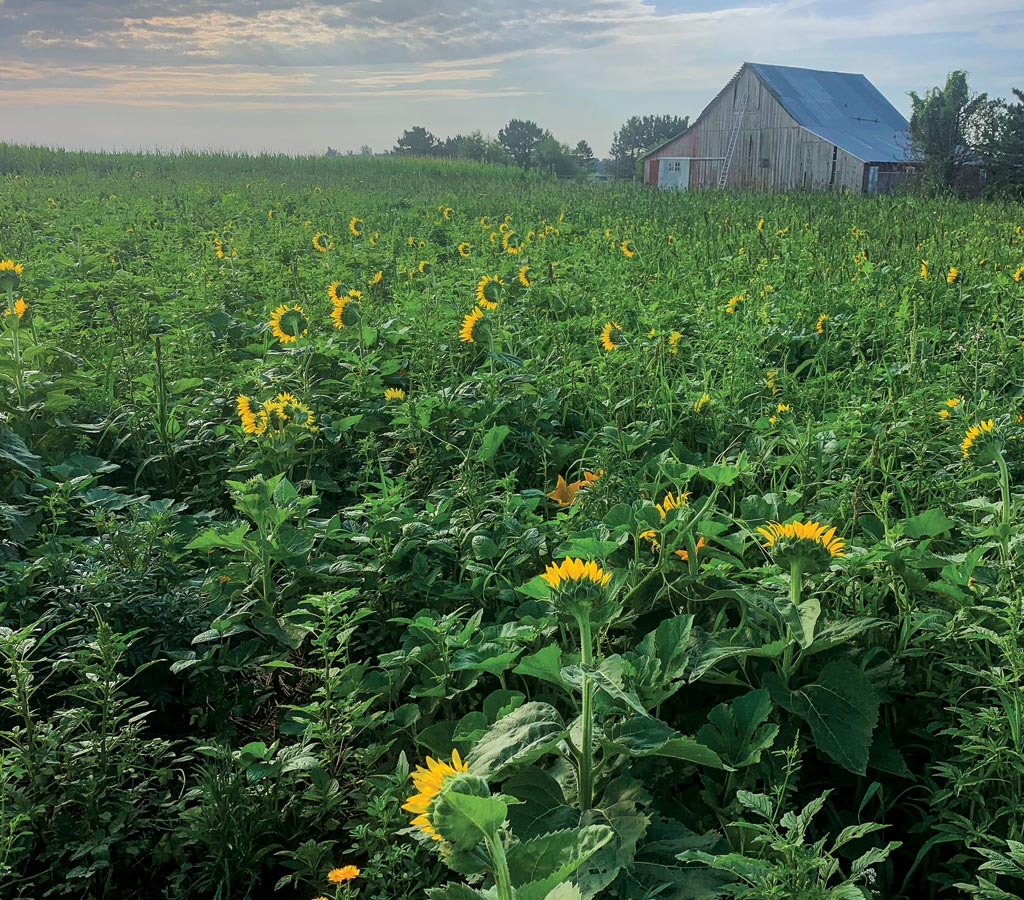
(779, 128)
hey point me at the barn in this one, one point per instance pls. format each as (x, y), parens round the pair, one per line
(780, 128)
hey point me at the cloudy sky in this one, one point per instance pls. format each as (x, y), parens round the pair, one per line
(299, 75)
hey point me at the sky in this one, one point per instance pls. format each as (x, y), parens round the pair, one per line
(297, 76)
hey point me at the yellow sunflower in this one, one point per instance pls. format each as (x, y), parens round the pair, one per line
(673, 342)
(627, 249)
(812, 543)
(488, 291)
(355, 226)
(977, 434)
(570, 571)
(375, 279)
(346, 308)
(1018, 274)
(671, 502)
(393, 393)
(322, 242)
(464, 248)
(512, 243)
(10, 273)
(952, 275)
(924, 268)
(20, 308)
(820, 326)
(521, 277)
(702, 403)
(611, 336)
(467, 333)
(288, 324)
(428, 783)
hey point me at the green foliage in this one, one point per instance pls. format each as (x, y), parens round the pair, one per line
(221, 646)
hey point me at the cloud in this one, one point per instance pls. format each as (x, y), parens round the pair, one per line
(581, 65)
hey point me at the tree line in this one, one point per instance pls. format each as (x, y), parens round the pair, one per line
(966, 140)
(524, 143)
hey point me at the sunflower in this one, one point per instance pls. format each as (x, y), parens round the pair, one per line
(355, 226)
(464, 248)
(671, 502)
(512, 243)
(810, 544)
(345, 873)
(575, 571)
(952, 275)
(250, 423)
(488, 291)
(485, 222)
(428, 783)
(294, 411)
(820, 326)
(288, 324)
(375, 279)
(393, 393)
(346, 308)
(10, 273)
(977, 434)
(702, 403)
(924, 268)
(446, 212)
(521, 277)
(20, 308)
(733, 302)
(322, 242)
(1018, 274)
(469, 322)
(611, 336)
(565, 493)
(627, 249)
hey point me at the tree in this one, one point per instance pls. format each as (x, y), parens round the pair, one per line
(584, 156)
(946, 126)
(551, 156)
(519, 138)
(639, 134)
(416, 141)
(366, 150)
(1002, 146)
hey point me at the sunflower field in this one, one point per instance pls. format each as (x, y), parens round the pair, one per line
(379, 528)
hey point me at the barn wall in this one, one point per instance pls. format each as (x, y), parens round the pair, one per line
(773, 153)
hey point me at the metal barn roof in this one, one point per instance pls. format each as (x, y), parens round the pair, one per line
(844, 109)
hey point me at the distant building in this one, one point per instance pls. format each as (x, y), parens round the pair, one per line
(779, 128)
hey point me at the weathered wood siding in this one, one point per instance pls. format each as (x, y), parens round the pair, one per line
(773, 153)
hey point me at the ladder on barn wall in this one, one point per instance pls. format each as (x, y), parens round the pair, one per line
(737, 122)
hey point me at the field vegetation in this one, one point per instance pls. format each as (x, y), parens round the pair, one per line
(376, 527)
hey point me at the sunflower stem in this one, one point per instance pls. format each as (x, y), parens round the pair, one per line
(796, 586)
(1004, 513)
(587, 716)
(502, 879)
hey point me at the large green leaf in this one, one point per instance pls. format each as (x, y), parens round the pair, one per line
(543, 807)
(14, 451)
(545, 664)
(842, 709)
(539, 865)
(518, 738)
(738, 731)
(646, 736)
(622, 807)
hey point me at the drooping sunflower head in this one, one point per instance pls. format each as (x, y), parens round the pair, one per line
(355, 226)
(394, 393)
(810, 544)
(983, 441)
(578, 589)
(820, 325)
(10, 274)
(522, 277)
(702, 403)
(288, 324)
(428, 783)
(488, 291)
(464, 248)
(611, 336)
(627, 248)
(471, 325)
(322, 242)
